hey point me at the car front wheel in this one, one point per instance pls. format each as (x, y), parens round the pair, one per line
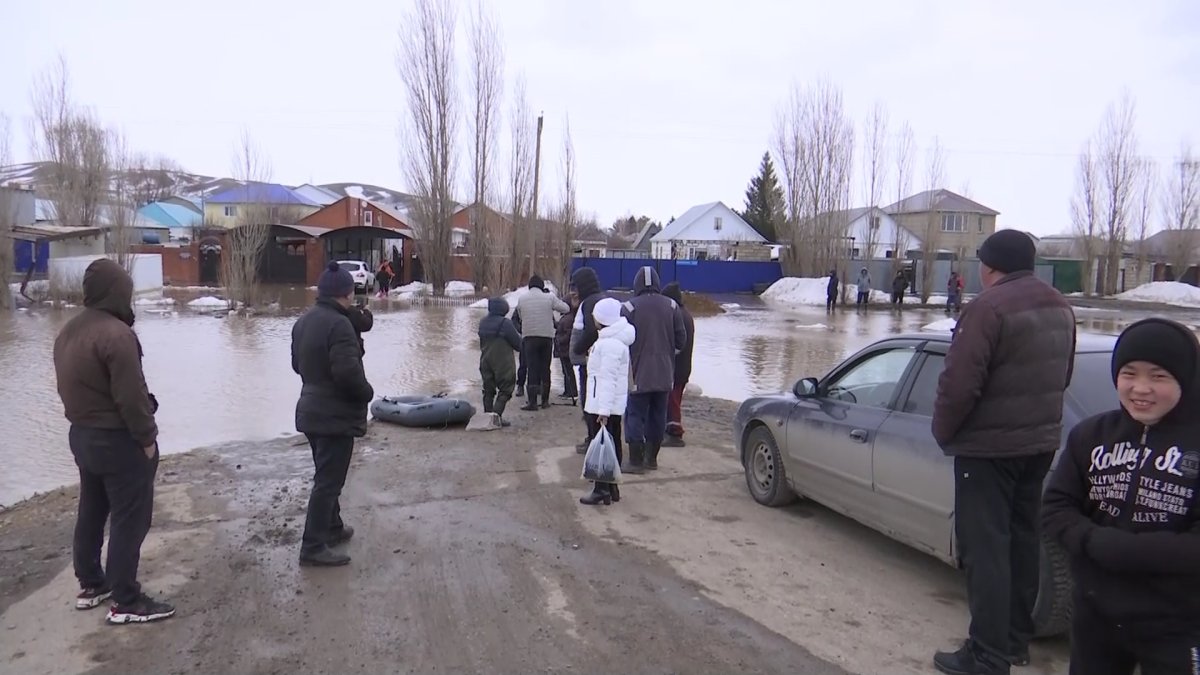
(765, 475)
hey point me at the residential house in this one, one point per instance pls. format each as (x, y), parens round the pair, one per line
(179, 220)
(317, 194)
(873, 234)
(589, 242)
(1170, 248)
(956, 224)
(138, 229)
(710, 231)
(276, 203)
(353, 228)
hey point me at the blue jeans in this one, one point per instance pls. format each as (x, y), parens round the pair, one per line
(646, 417)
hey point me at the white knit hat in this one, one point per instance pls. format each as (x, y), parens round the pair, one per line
(607, 311)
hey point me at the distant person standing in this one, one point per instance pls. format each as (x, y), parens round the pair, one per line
(831, 291)
(661, 335)
(899, 285)
(562, 348)
(954, 291)
(383, 277)
(998, 413)
(864, 287)
(683, 371)
(114, 438)
(537, 307)
(522, 366)
(332, 410)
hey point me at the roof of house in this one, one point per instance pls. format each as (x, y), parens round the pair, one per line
(260, 193)
(648, 231)
(53, 232)
(939, 200)
(171, 215)
(694, 215)
(317, 194)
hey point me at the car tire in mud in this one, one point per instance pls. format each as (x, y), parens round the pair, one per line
(763, 465)
(1052, 611)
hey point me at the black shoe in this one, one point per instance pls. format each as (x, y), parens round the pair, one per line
(615, 491)
(651, 459)
(970, 660)
(635, 463)
(143, 610)
(532, 405)
(599, 495)
(520, 391)
(324, 558)
(502, 422)
(341, 536)
(582, 448)
(91, 598)
(673, 442)
(1020, 657)
(545, 404)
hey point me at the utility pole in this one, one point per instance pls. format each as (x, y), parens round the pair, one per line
(537, 174)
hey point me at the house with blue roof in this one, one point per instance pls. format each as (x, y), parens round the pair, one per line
(710, 231)
(276, 204)
(180, 220)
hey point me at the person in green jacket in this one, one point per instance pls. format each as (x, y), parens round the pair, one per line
(498, 340)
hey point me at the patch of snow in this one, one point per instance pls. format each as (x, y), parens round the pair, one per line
(812, 291)
(355, 191)
(1165, 292)
(208, 303)
(414, 288)
(511, 297)
(940, 326)
(812, 326)
(730, 306)
(460, 288)
(153, 302)
(1078, 294)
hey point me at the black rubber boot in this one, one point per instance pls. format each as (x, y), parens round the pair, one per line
(489, 403)
(652, 456)
(615, 491)
(532, 404)
(599, 495)
(546, 396)
(520, 391)
(636, 462)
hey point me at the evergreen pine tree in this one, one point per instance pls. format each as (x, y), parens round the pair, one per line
(764, 200)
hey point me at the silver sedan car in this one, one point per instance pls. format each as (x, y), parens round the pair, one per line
(859, 441)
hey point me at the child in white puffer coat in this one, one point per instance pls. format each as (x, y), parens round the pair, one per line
(608, 385)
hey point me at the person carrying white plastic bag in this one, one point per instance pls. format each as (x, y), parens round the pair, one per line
(607, 393)
(601, 463)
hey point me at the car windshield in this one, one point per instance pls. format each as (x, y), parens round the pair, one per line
(351, 266)
(1092, 387)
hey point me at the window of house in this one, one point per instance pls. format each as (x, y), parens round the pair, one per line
(889, 253)
(980, 224)
(874, 222)
(367, 215)
(954, 222)
(230, 211)
(854, 253)
(717, 223)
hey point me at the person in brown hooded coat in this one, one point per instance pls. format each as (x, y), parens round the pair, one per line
(114, 438)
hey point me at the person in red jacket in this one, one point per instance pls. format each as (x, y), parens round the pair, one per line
(1123, 503)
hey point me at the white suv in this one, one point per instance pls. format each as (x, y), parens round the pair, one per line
(364, 278)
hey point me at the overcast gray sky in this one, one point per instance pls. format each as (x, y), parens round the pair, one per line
(671, 102)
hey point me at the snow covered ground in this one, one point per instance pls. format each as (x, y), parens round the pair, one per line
(154, 301)
(1165, 292)
(940, 326)
(460, 288)
(208, 304)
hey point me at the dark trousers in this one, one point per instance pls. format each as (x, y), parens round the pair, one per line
(331, 461)
(539, 352)
(830, 302)
(497, 388)
(522, 366)
(1101, 647)
(863, 296)
(996, 524)
(675, 411)
(614, 429)
(589, 421)
(646, 417)
(570, 387)
(897, 298)
(953, 301)
(116, 482)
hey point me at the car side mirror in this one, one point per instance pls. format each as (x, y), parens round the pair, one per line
(806, 388)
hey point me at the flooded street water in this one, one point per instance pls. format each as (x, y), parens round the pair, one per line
(227, 379)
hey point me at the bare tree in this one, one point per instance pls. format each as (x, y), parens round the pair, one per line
(903, 158)
(246, 242)
(875, 170)
(1085, 214)
(815, 142)
(74, 146)
(487, 80)
(1144, 215)
(122, 204)
(1119, 165)
(8, 218)
(520, 183)
(425, 60)
(1181, 211)
(567, 216)
(152, 179)
(935, 174)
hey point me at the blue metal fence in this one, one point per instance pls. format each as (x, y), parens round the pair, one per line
(698, 276)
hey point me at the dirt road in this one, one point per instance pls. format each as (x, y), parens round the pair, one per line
(472, 554)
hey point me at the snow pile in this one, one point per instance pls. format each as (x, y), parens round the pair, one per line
(208, 303)
(730, 306)
(1165, 292)
(810, 291)
(940, 326)
(812, 326)
(459, 288)
(414, 288)
(154, 302)
(511, 297)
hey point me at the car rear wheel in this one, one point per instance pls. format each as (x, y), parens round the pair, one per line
(765, 475)
(1052, 611)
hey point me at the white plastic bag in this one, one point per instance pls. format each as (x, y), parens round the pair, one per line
(600, 463)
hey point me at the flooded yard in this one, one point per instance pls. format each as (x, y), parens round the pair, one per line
(222, 379)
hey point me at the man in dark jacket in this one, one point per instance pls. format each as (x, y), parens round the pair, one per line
(1123, 503)
(999, 414)
(683, 371)
(584, 334)
(831, 291)
(899, 285)
(522, 366)
(661, 335)
(114, 438)
(562, 348)
(498, 339)
(332, 410)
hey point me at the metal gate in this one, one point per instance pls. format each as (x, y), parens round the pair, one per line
(284, 261)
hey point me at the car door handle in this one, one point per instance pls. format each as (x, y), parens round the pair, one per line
(859, 435)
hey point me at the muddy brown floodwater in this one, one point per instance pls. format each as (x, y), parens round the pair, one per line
(224, 379)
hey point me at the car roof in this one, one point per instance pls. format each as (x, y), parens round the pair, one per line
(1085, 343)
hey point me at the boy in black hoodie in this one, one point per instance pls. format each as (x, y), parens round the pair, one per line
(498, 339)
(1122, 501)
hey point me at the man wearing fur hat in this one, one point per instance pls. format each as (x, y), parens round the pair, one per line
(999, 414)
(332, 410)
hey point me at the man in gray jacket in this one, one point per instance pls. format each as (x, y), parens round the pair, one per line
(661, 335)
(537, 308)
